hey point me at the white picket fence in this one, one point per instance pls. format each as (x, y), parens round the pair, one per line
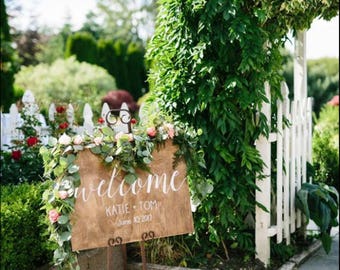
(12, 120)
(293, 151)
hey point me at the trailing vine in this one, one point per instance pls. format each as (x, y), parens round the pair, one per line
(210, 60)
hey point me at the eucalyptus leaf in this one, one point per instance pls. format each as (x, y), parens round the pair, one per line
(70, 158)
(95, 150)
(108, 159)
(78, 148)
(65, 236)
(73, 168)
(130, 178)
(63, 219)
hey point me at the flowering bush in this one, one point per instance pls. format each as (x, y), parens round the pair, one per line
(23, 163)
(58, 122)
(127, 151)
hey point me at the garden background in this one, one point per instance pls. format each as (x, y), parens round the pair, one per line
(81, 67)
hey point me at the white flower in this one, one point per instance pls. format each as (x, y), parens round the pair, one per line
(98, 140)
(78, 139)
(170, 130)
(66, 184)
(65, 139)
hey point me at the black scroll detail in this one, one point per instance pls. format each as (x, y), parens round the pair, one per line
(115, 241)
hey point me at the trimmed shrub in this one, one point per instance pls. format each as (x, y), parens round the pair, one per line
(326, 147)
(67, 81)
(24, 239)
(83, 46)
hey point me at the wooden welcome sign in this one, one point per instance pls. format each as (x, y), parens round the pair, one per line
(109, 211)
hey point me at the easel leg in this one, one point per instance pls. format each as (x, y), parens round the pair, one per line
(109, 256)
(124, 256)
(142, 251)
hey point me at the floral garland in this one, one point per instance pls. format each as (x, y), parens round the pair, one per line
(128, 151)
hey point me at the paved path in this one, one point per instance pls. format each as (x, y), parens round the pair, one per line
(322, 261)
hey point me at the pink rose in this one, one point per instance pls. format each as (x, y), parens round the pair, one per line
(98, 140)
(77, 139)
(171, 131)
(53, 215)
(63, 194)
(151, 131)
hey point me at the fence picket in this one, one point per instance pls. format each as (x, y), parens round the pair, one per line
(292, 171)
(287, 168)
(279, 172)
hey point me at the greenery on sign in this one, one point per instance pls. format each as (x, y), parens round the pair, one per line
(320, 203)
(124, 151)
(209, 62)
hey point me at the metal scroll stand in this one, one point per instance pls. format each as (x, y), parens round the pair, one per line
(123, 123)
(119, 119)
(118, 241)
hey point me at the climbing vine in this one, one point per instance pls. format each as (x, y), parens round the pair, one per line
(210, 60)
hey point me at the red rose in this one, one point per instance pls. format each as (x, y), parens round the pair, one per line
(60, 109)
(16, 154)
(63, 125)
(31, 141)
(133, 121)
(101, 120)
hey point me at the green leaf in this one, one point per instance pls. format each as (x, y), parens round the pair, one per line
(63, 219)
(326, 241)
(301, 202)
(107, 131)
(65, 236)
(108, 159)
(130, 178)
(95, 150)
(73, 168)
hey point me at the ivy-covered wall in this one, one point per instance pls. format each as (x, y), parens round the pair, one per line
(210, 59)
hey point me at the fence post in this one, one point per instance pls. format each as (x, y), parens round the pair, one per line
(262, 196)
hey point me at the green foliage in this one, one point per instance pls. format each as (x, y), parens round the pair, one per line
(8, 62)
(51, 50)
(322, 79)
(320, 203)
(67, 81)
(136, 70)
(24, 242)
(83, 46)
(209, 63)
(29, 168)
(125, 62)
(326, 147)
